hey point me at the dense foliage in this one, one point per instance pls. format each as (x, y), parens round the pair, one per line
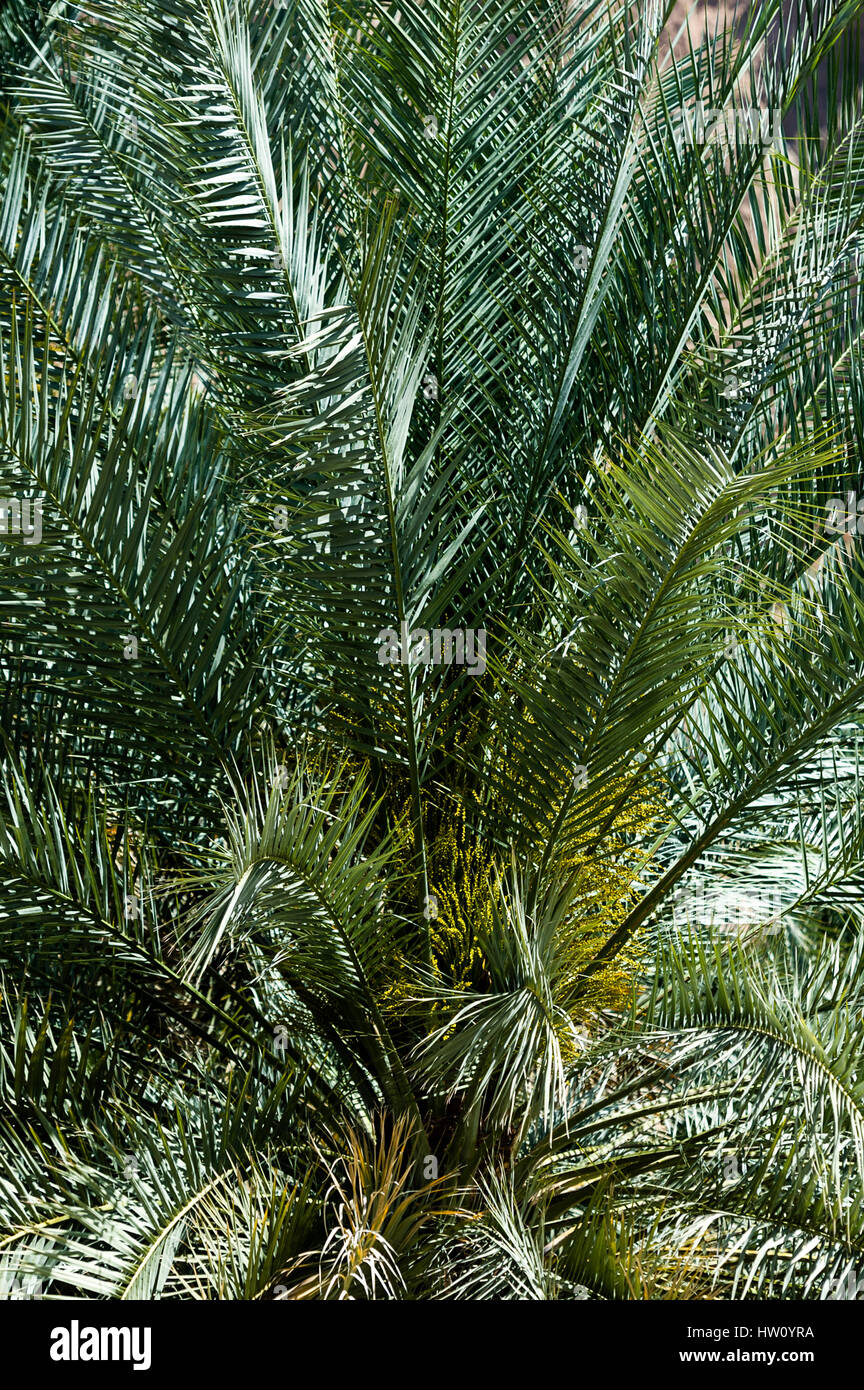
(431, 651)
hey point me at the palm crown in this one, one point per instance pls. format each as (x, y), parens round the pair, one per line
(432, 613)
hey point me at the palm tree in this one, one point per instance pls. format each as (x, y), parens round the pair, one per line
(432, 652)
